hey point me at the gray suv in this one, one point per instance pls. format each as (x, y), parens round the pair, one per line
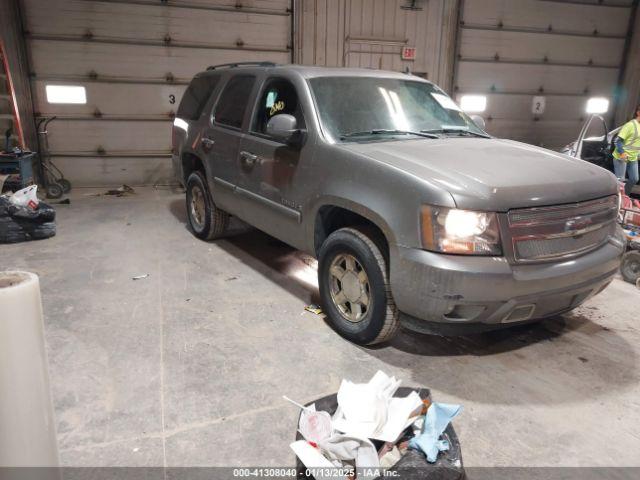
(415, 214)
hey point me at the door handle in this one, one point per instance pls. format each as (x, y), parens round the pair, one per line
(248, 158)
(207, 142)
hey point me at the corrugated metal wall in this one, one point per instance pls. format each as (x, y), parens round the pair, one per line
(630, 94)
(567, 51)
(371, 34)
(135, 58)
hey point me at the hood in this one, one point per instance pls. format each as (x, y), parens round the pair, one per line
(492, 174)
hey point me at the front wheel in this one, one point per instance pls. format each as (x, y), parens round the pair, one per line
(354, 287)
(206, 220)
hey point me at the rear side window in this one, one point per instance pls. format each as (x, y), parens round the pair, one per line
(196, 96)
(233, 101)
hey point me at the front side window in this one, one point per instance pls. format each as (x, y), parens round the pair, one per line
(196, 96)
(233, 101)
(356, 108)
(278, 96)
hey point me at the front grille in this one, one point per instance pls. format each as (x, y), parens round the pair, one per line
(548, 233)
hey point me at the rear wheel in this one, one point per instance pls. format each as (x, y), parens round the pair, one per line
(65, 184)
(630, 267)
(206, 220)
(54, 190)
(354, 287)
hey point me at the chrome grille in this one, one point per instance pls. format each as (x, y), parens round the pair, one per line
(547, 233)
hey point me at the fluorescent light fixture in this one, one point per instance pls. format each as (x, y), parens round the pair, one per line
(473, 103)
(66, 94)
(597, 105)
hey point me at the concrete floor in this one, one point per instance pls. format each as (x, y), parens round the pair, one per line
(188, 366)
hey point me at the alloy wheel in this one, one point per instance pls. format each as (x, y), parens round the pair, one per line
(349, 287)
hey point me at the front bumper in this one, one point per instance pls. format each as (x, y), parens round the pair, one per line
(456, 289)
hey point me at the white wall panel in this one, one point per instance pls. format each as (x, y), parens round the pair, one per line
(535, 46)
(76, 58)
(566, 51)
(116, 171)
(114, 99)
(130, 48)
(150, 22)
(480, 77)
(541, 14)
(113, 136)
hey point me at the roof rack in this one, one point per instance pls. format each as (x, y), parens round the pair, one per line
(242, 64)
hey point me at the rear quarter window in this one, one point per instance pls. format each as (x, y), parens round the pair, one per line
(196, 96)
(233, 101)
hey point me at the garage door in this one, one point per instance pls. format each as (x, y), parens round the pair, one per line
(538, 62)
(135, 58)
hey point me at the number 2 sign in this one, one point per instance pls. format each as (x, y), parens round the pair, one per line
(538, 105)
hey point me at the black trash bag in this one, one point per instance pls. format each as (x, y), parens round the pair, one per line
(10, 231)
(44, 212)
(19, 224)
(14, 230)
(413, 465)
(4, 207)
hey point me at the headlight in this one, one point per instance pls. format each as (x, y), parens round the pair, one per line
(449, 230)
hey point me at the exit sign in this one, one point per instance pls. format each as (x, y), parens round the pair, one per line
(408, 53)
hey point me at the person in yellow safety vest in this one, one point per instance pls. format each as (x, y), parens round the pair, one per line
(625, 154)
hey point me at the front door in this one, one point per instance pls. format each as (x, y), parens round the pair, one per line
(268, 168)
(593, 143)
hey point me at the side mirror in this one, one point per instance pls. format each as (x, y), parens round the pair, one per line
(284, 127)
(479, 121)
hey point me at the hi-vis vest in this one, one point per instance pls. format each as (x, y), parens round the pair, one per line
(630, 135)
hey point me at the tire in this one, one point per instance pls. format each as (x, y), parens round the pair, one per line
(207, 221)
(370, 322)
(54, 190)
(630, 267)
(65, 184)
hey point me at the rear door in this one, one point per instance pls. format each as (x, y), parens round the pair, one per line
(220, 140)
(190, 111)
(269, 168)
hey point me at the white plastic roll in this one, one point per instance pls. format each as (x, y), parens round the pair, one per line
(27, 428)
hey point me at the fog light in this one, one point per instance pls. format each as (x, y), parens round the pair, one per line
(520, 314)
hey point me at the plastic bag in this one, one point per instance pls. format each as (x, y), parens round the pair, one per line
(26, 197)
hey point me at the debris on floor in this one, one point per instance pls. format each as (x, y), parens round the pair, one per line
(121, 191)
(378, 425)
(313, 308)
(23, 217)
(140, 277)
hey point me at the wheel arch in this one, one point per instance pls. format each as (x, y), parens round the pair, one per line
(336, 213)
(190, 162)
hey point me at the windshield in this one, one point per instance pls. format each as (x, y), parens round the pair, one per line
(368, 108)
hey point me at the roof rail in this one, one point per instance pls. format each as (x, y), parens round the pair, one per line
(242, 64)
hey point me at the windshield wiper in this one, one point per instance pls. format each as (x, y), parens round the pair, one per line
(460, 131)
(383, 131)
